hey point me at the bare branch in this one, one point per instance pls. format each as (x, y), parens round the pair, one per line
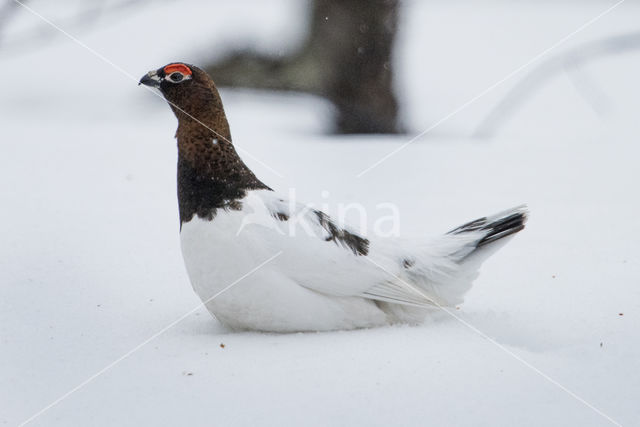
(574, 59)
(85, 18)
(8, 8)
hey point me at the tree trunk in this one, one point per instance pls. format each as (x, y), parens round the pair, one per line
(345, 58)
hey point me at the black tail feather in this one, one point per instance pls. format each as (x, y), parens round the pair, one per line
(497, 226)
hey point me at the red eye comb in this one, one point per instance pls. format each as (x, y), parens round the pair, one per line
(172, 68)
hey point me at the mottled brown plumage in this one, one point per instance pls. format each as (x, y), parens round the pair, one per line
(211, 175)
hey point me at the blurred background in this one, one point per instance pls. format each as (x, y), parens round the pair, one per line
(504, 102)
(385, 66)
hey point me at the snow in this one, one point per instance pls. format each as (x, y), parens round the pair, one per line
(90, 265)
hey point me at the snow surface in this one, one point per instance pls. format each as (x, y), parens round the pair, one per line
(90, 265)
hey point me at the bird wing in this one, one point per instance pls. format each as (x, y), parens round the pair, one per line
(324, 256)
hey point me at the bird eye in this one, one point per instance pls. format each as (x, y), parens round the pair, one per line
(176, 77)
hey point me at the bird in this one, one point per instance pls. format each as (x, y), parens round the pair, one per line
(262, 262)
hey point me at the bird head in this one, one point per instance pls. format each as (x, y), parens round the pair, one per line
(181, 83)
(169, 77)
(191, 93)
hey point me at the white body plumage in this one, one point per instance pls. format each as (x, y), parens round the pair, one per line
(320, 276)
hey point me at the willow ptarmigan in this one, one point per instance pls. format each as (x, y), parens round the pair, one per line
(319, 275)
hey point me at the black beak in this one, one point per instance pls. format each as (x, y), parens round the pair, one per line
(150, 79)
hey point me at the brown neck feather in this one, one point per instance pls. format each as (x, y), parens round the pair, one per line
(211, 175)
